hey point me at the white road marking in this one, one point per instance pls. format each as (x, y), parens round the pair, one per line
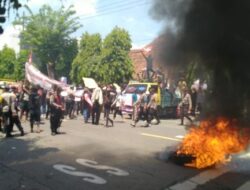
(199, 179)
(161, 137)
(109, 169)
(179, 136)
(86, 176)
(245, 186)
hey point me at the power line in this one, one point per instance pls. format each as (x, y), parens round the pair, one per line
(119, 3)
(119, 7)
(113, 11)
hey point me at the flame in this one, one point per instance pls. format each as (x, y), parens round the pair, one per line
(212, 142)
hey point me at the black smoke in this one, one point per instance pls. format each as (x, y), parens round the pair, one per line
(217, 33)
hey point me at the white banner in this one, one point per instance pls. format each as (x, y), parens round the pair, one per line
(34, 76)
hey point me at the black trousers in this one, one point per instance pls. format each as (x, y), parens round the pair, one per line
(117, 111)
(184, 113)
(55, 120)
(34, 117)
(96, 112)
(7, 123)
(142, 114)
(153, 114)
(15, 120)
(107, 112)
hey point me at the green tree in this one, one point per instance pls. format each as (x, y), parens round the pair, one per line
(7, 63)
(63, 68)
(48, 35)
(116, 66)
(87, 61)
(20, 64)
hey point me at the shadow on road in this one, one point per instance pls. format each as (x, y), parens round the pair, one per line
(15, 150)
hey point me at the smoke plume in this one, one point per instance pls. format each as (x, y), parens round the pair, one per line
(217, 34)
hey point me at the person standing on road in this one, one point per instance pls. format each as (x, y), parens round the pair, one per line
(152, 106)
(24, 102)
(86, 104)
(107, 107)
(6, 109)
(35, 109)
(194, 100)
(56, 111)
(117, 105)
(97, 101)
(141, 106)
(14, 114)
(185, 106)
(48, 94)
(70, 103)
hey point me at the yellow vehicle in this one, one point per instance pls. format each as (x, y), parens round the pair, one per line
(137, 88)
(167, 102)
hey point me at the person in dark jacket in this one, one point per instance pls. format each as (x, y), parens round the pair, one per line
(107, 107)
(56, 111)
(35, 109)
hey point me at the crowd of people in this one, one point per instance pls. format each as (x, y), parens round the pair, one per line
(31, 103)
(192, 100)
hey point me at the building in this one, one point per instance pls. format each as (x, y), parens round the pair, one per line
(139, 62)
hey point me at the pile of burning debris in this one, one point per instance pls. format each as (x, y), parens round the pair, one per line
(211, 143)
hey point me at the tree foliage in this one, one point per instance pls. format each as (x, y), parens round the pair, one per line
(48, 35)
(116, 64)
(12, 65)
(20, 64)
(7, 62)
(87, 61)
(107, 61)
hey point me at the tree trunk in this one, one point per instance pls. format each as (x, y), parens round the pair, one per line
(51, 70)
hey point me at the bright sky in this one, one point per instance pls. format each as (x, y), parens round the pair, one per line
(98, 16)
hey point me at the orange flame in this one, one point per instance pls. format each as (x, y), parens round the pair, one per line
(213, 141)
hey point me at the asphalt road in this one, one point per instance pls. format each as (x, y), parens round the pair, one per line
(92, 157)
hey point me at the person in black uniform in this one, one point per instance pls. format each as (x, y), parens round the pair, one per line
(34, 107)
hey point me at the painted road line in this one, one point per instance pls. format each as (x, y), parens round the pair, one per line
(179, 136)
(245, 186)
(199, 179)
(161, 137)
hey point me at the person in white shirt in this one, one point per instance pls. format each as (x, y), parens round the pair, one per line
(185, 106)
(97, 101)
(117, 105)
